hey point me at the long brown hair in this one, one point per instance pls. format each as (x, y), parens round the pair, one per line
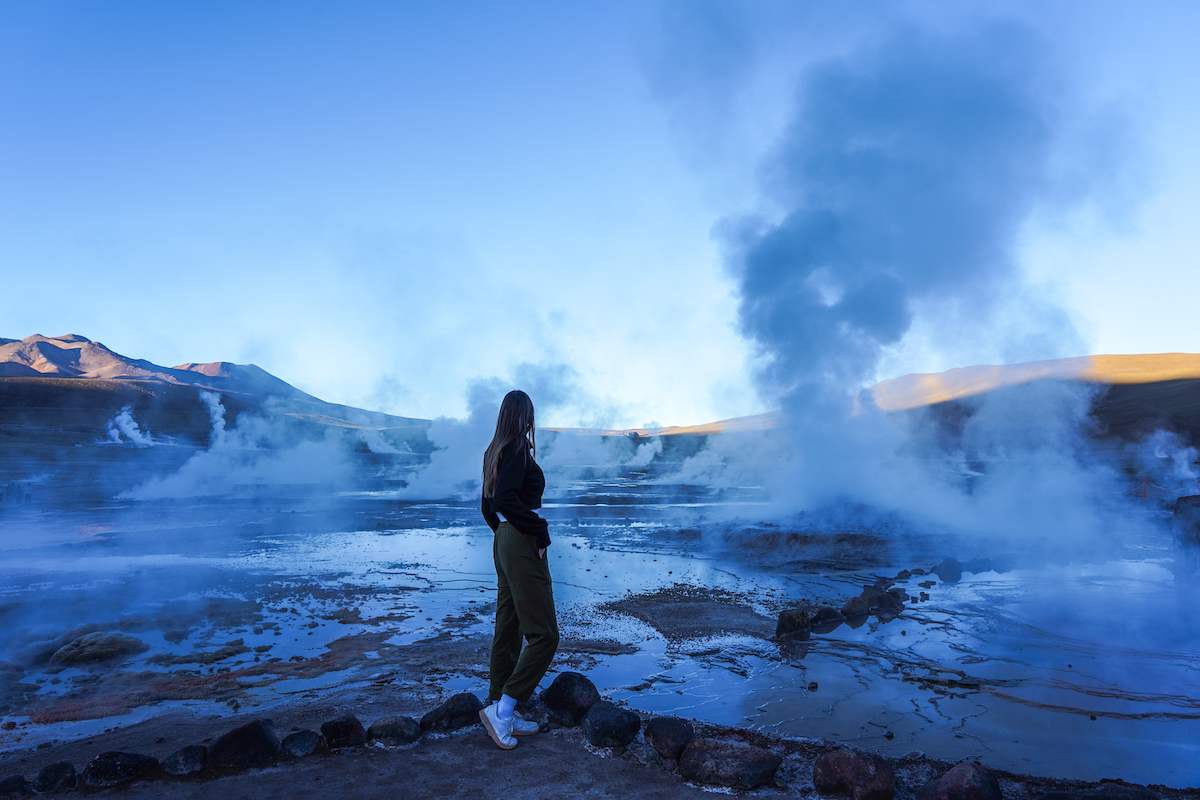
(514, 421)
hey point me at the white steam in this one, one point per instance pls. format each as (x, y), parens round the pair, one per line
(124, 424)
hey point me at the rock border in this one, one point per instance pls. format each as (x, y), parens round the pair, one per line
(704, 755)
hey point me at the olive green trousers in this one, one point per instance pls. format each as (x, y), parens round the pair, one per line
(524, 609)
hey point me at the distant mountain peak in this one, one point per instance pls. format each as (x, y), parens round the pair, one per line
(75, 356)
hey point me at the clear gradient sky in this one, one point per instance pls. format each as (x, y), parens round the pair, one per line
(383, 202)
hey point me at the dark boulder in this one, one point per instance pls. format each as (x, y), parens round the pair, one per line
(249, 745)
(94, 647)
(186, 760)
(841, 773)
(459, 711)
(889, 604)
(870, 595)
(608, 725)
(56, 778)
(733, 764)
(669, 735)
(792, 622)
(855, 608)
(113, 769)
(964, 781)
(826, 619)
(569, 697)
(303, 744)
(345, 731)
(395, 731)
(950, 571)
(14, 786)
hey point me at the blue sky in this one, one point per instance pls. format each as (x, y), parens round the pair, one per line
(382, 203)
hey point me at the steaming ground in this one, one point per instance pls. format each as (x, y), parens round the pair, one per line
(667, 596)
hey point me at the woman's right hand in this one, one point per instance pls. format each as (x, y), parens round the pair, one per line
(541, 552)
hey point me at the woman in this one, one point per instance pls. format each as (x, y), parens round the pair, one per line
(512, 488)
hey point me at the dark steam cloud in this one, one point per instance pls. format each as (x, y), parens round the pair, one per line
(905, 176)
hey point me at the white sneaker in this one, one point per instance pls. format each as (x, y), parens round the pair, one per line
(501, 730)
(523, 727)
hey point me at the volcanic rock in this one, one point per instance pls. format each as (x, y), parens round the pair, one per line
(964, 781)
(395, 731)
(14, 786)
(303, 744)
(37, 653)
(608, 725)
(841, 773)
(855, 607)
(792, 622)
(346, 731)
(113, 769)
(733, 764)
(98, 647)
(950, 571)
(249, 745)
(870, 595)
(889, 604)
(186, 760)
(826, 619)
(55, 778)
(459, 711)
(669, 735)
(569, 697)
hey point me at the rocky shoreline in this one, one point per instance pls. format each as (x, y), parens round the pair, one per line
(664, 750)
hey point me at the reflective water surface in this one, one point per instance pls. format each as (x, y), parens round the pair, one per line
(1082, 667)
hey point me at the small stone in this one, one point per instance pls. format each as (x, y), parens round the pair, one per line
(812, 686)
(98, 647)
(569, 697)
(14, 786)
(950, 571)
(964, 781)
(114, 768)
(175, 636)
(346, 731)
(669, 735)
(791, 622)
(855, 607)
(8, 725)
(733, 764)
(187, 760)
(303, 744)
(459, 711)
(903, 575)
(842, 773)
(249, 745)
(826, 619)
(608, 725)
(395, 731)
(56, 778)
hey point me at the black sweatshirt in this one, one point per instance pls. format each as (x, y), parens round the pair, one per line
(519, 486)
